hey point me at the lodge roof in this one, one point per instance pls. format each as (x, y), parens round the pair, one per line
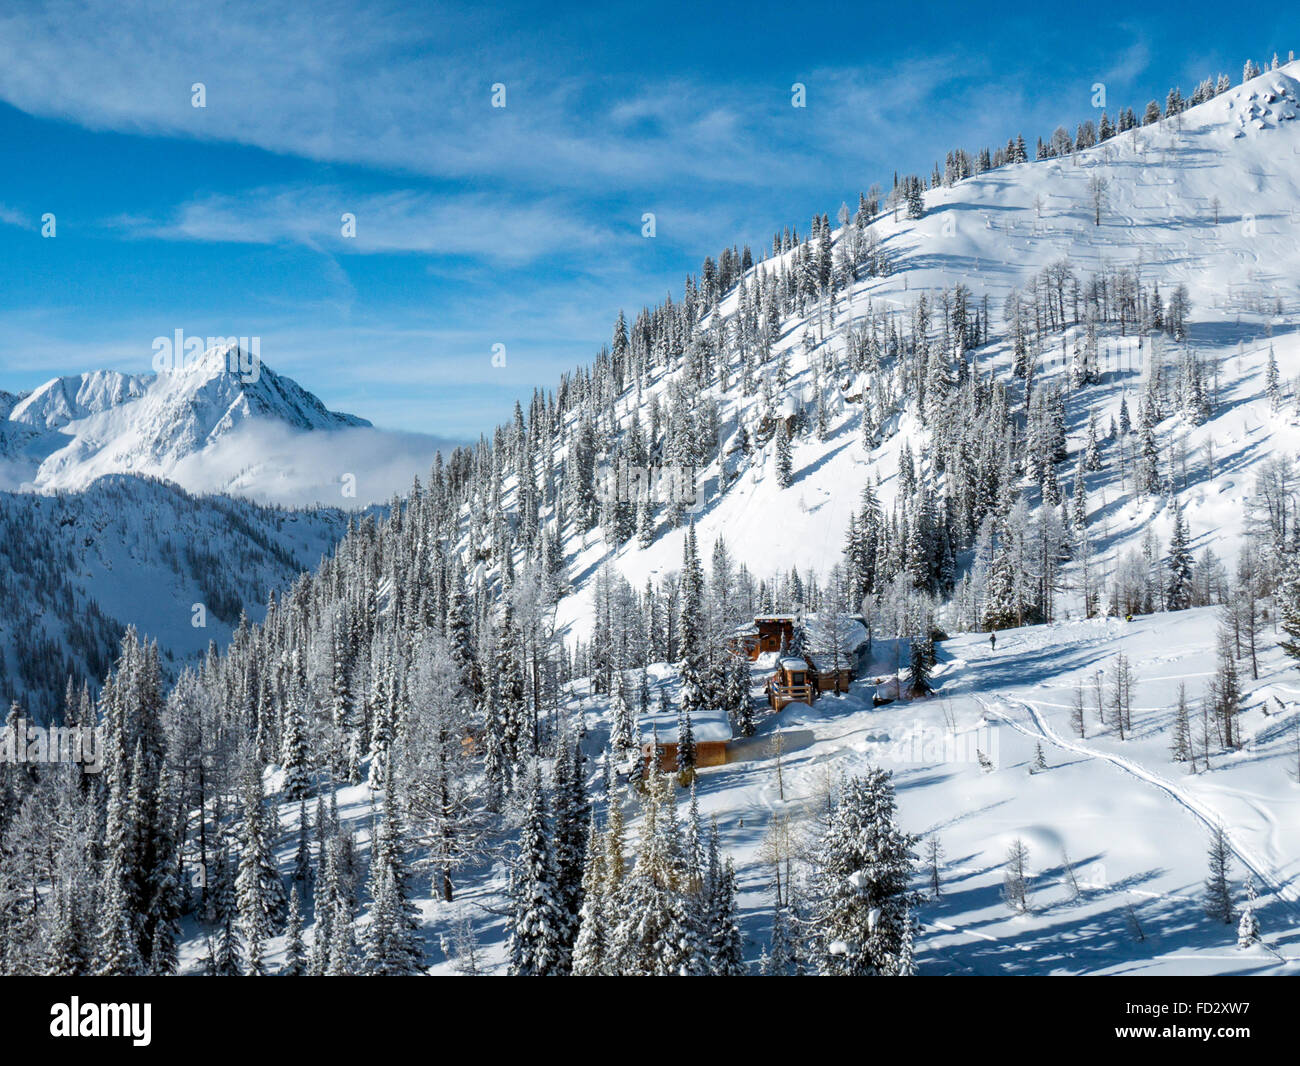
(820, 634)
(708, 725)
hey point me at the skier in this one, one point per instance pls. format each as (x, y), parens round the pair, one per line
(993, 641)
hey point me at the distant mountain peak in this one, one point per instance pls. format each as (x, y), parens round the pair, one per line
(78, 427)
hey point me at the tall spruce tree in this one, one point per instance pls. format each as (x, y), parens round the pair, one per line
(862, 905)
(538, 924)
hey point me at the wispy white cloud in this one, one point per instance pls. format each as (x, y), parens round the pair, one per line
(11, 217)
(352, 84)
(377, 87)
(476, 225)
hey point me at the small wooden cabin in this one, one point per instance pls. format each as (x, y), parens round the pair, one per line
(712, 732)
(795, 681)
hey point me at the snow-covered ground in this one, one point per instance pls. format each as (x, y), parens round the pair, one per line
(1119, 819)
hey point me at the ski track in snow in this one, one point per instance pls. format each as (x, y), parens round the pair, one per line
(1277, 885)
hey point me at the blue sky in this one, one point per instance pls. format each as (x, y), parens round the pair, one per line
(476, 225)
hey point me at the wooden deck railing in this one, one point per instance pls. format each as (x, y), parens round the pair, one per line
(792, 693)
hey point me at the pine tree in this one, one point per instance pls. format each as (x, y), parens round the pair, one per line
(259, 892)
(685, 744)
(622, 734)
(1181, 564)
(1218, 896)
(726, 949)
(343, 940)
(572, 814)
(592, 943)
(919, 662)
(861, 900)
(1289, 609)
(781, 958)
(739, 702)
(655, 928)
(393, 942)
(294, 757)
(537, 920)
(1092, 451)
(1147, 477)
(165, 898)
(784, 458)
(322, 899)
(225, 959)
(117, 954)
(1248, 927)
(302, 856)
(295, 952)
(1180, 745)
(933, 861)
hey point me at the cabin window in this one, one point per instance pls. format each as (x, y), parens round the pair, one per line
(796, 679)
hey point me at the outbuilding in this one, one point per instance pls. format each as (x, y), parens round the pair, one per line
(660, 736)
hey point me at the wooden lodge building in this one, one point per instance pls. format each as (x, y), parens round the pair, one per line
(835, 651)
(770, 632)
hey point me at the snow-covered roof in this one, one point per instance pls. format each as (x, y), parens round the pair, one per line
(791, 663)
(820, 633)
(710, 724)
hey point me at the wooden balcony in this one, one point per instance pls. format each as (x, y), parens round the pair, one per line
(780, 695)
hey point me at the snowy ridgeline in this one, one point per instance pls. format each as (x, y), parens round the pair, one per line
(1125, 420)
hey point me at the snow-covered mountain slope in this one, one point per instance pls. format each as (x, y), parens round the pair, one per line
(67, 399)
(1115, 829)
(1209, 199)
(210, 426)
(79, 566)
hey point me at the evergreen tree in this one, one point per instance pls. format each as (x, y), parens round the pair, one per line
(259, 892)
(591, 945)
(1248, 927)
(784, 458)
(393, 941)
(117, 953)
(537, 920)
(295, 952)
(861, 901)
(69, 952)
(1272, 383)
(294, 757)
(572, 814)
(655, 928)
(725, 947)
(1180, 745)
(782, 957)
(225, 959)
(685, 744)
(1218, 896)
(1181, 564)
